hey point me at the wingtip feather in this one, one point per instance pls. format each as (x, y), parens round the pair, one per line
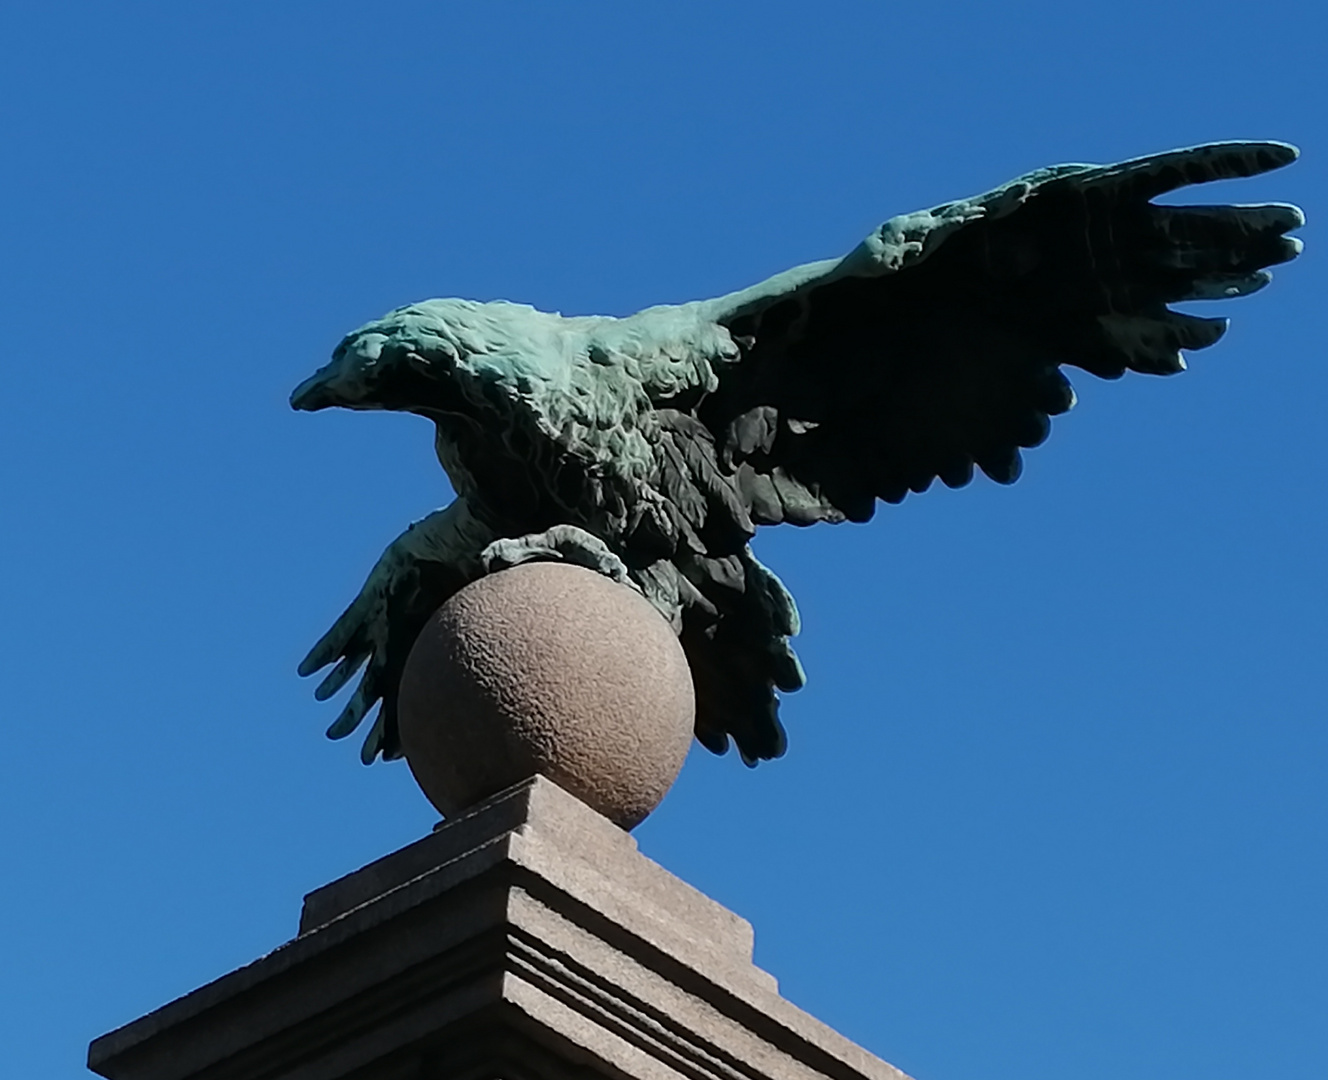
(348, 721)
(373, 742)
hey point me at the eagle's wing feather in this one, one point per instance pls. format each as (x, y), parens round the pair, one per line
(434, 558)
(936, 344)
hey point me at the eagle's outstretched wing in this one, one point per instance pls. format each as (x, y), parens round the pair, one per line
(936, 344)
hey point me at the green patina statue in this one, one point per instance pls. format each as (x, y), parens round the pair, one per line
(650, 447)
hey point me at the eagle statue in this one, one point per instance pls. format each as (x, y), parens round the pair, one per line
(651, 447)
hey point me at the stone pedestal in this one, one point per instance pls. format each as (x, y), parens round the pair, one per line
(525, 940)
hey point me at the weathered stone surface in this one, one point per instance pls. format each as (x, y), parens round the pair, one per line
(554, 669)
(526, 939)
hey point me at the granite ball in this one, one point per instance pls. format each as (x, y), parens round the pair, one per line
(552, 669)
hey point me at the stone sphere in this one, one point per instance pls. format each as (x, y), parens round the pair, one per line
(553, 669)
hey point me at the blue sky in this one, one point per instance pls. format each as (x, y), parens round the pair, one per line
(1054, 804)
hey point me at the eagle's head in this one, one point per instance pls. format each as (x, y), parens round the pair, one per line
(406, 361)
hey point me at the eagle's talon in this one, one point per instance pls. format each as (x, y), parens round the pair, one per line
(561, 543)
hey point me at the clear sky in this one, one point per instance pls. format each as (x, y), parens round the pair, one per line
(1054, 804)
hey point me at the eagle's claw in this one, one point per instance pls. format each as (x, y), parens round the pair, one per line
(561, 543)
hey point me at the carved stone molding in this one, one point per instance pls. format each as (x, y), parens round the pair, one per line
(526, 940)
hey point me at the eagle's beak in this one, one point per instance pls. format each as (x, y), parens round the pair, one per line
(314, 393)
(348, 379)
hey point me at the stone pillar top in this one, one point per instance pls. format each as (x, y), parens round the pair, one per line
(527, 938)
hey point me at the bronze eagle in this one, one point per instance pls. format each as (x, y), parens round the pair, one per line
(651, 447)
